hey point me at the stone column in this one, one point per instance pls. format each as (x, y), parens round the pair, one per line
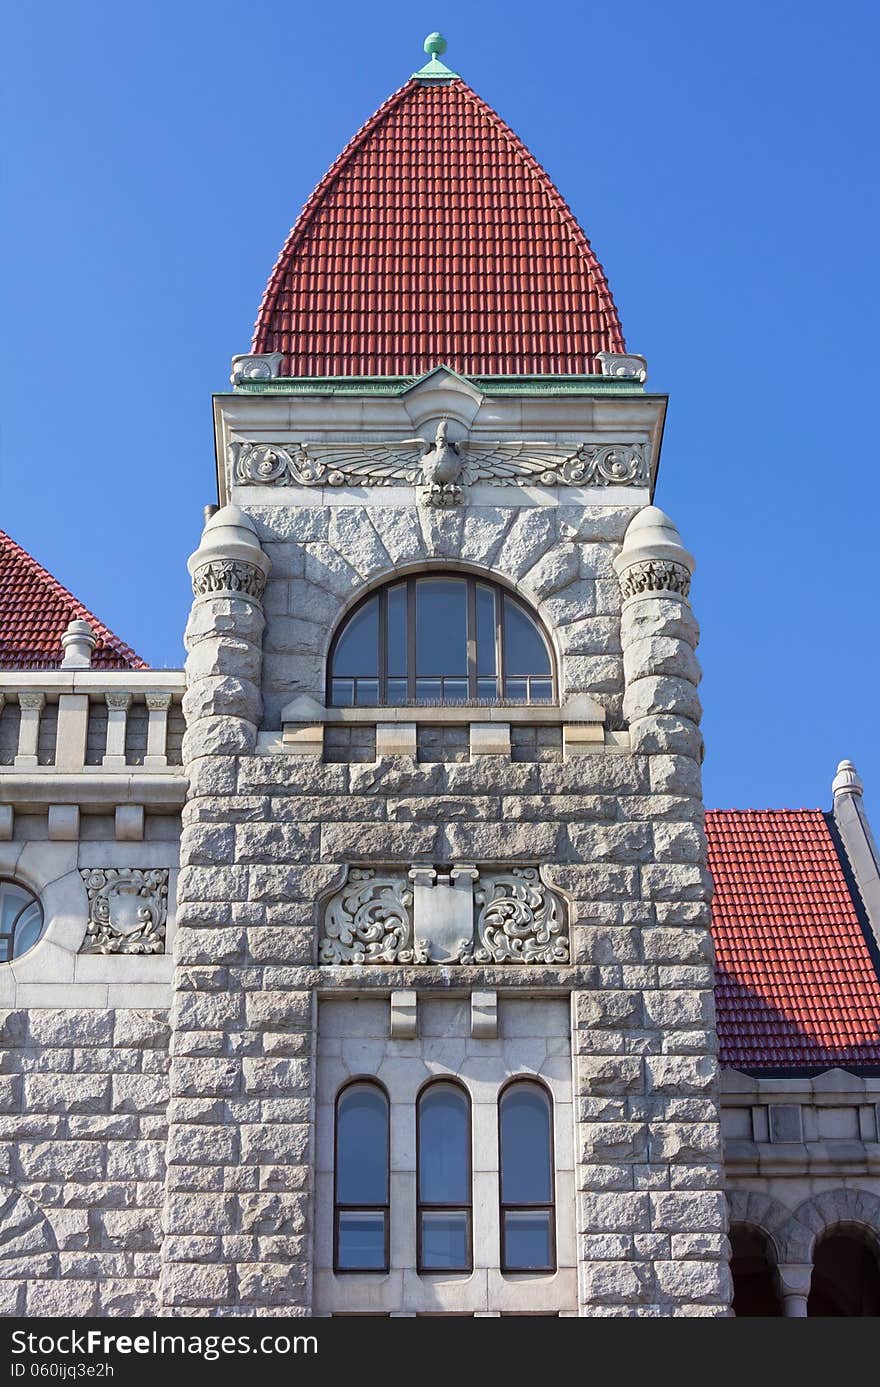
(794, 1283)
(241, 1034)
(652, 1215)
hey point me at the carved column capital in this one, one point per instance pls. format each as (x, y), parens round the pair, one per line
(32, 702)
(157, 700)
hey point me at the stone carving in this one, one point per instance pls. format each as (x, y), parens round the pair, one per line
(228, 577)
(626, 366)
(128, 907)
(460, 915)
(521, 920)
(655, 575)
(369, 920)
(443, 907)
(255, 366)
(440, 469)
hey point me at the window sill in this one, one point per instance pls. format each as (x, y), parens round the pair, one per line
(579, 709)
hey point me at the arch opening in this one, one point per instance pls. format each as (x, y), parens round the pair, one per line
(756, 1291)
(440, 637)
(846, 1274)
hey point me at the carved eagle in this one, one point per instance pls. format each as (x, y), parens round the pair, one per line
(415, 461)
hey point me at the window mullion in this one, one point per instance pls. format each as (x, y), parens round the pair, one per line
(500, 657)
(382, 662)
(411, 639)
(472, 639)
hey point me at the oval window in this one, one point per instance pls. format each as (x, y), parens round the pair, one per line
(21, 920)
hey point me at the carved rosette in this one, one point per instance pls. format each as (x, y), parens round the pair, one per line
(128, 908)
(655, 575)
(369, 920)
(229, 578)
(521, 919)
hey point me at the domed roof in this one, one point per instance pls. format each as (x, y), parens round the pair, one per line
(437, 238)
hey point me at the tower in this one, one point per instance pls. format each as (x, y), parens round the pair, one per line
(442, 1021)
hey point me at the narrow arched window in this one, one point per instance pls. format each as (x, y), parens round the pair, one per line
(361, 1214)
(445, 1213)
(440, 638)
(528, 1221)
(21, 920)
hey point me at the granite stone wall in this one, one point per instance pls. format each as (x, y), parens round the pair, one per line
(83, 1130)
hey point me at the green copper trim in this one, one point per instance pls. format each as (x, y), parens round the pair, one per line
(398, 385)
(434, 70)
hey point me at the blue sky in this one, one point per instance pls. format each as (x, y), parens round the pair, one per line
(722, 159)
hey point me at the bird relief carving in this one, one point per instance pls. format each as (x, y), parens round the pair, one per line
(440, 469)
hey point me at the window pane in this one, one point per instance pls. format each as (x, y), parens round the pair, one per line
(524, 648)
(343, 693)
(361, 1240)
(525, 1146)
(367, 693)
(362, 1146)
(445, 1240)
(485, 630)
(397, 630)
(441, 626)
(541, 689)
(444, 1146)
(429, 690)
(487, 688)
(397, 691)
(21, 920)
(28, 929)
(357, 651)
(527, 1241)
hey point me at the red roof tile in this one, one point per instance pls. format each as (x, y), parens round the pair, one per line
(35, 611)
(795, 983)
(436, 238)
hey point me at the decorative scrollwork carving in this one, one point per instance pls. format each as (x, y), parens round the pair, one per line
(128, 907)
(229, 577)
(609, 465)
(441, 469)
(467, 916)
(271, 464)
(655, 575)
(521, 919)
(369, 920)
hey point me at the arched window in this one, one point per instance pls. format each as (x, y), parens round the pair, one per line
(846, 1274)
(528, 1222)
(753, 1270)
(21, 920)
(361, 1215)
(443, 1161)
(440, 639)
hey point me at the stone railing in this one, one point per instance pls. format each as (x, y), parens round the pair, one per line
(90, 737)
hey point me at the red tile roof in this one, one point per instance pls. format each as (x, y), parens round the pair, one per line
(436, 238)
(35, 611)
(795, 983)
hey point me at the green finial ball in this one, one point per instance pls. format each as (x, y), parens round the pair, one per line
(435, 44)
